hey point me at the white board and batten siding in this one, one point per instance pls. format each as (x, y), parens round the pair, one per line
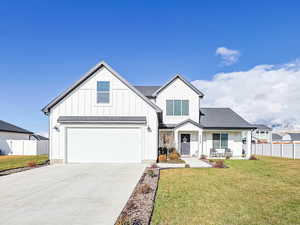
(178, 90)
(83, 102)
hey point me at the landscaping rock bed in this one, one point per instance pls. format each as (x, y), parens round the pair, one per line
(139, 207)
(20, 169)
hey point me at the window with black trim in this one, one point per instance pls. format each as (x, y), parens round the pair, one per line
(220, 140)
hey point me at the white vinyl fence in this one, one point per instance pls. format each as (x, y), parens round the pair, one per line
(291, 151)
(24, 147)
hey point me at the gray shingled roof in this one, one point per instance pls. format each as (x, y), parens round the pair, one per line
(148, 91)
(103, 119)
(294, 136)
(222, 118)
(8, 127)
(188, 121)
(262, 127)
(40, 137)
(276, 137)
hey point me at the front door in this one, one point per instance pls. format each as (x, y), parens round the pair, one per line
(185, 144)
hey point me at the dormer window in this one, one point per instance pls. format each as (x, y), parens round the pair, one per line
(177, 107)
(103, 92)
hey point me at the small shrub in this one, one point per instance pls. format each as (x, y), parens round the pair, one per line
(123, 221)
(131, 205)
(174, 156)
(203, 157)
(211, 160)
(227, 157)
(253, 157)
(187, 166)
(145, 189)
(31, 164)
(171, 150)
(162, 158)
(219, 164)
(151, 173)
(136, 222)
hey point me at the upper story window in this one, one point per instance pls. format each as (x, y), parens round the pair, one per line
(103, 92)
(177, 107)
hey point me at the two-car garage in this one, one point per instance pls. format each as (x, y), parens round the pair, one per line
(105, 145)
(103, 139)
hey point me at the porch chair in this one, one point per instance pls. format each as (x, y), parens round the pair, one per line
(213, 152)
(228, 152)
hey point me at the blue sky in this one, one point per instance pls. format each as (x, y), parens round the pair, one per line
(47, 45)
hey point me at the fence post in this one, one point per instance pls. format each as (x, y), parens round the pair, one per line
(281, 150)
(294, 153)
(271, 144)
(11, 147)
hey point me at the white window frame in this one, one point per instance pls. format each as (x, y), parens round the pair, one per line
(110, 94)
(180, 106)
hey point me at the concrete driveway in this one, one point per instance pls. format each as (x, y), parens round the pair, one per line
(72, 194)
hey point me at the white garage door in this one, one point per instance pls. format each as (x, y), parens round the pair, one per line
(104, 145)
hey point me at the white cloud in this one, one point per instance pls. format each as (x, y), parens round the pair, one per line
(229, 56)
(264, 94)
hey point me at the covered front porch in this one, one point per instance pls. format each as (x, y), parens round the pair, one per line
(193, 141)
(186, 138)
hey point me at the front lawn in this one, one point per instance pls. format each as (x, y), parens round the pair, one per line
(12, 162)
(262, 192)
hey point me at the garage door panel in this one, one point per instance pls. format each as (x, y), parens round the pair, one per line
(104, 145)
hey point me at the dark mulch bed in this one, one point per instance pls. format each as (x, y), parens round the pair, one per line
(20, 169)
(139, 207)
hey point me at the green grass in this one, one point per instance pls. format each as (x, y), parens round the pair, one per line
(262, 192)
(12, 162)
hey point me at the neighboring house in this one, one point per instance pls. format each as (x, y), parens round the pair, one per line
(276, 138)
(9, 131)
(262, 134)
(291, 137)
(38, 137)
(103, 118)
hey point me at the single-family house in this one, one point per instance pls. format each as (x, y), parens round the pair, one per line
(9, 131)
(276, 138)
(103, 118)
(38, 137)
(262, 134)
(291, 137)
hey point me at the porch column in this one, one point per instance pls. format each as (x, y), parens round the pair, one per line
(176, 140)
(200, 141)
(248, 143)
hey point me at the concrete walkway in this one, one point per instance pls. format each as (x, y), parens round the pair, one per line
(193, 162)
(73, 194)
(196, 163)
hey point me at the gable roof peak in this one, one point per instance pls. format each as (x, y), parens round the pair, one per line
(179, 76)
(90, 73)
